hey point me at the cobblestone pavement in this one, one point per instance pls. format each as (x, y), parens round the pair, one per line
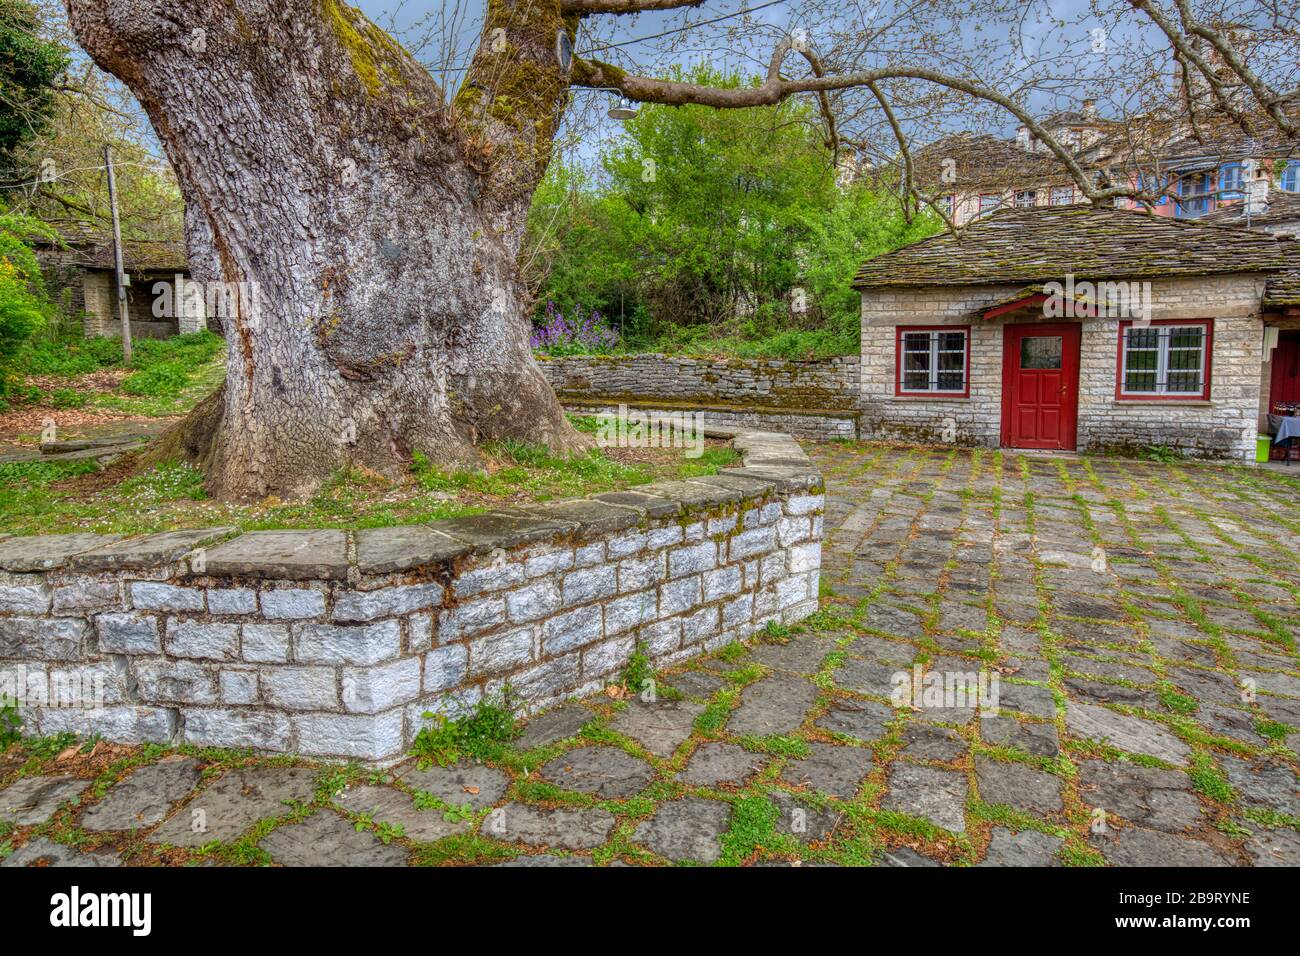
(1140, 620)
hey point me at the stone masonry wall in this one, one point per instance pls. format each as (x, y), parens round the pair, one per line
(1223, 427)
(814, 399)
(336, 644)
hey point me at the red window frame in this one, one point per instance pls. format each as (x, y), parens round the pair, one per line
(899, 391)
(1202, 396)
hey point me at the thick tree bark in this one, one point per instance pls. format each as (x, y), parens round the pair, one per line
(374, 228)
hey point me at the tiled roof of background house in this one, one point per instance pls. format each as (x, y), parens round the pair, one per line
(980, 161)
(1047, 242)
(1222, 139)
(1280, 207)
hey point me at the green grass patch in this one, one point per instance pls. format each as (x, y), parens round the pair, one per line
(445, 741)
(1210, 780)
(753, 826)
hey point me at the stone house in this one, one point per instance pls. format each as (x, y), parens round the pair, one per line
(1190, 173)
(80, 275)
(1076, 327)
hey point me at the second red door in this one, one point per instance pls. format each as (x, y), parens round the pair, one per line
(1040, 386)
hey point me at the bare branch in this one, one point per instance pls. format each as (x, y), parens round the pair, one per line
(593, 73)
(1188, 52)
(1266, 97)
(903, 148)
(590, 7)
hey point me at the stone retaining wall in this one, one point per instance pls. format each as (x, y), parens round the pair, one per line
(336, 644)
(812, 399)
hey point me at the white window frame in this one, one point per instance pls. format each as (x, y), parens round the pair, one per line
(933, 370)
(1164, 333)
(1057, 190)
(1290, 178)
(1026, 198)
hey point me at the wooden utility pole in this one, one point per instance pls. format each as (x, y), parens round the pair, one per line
(122, 310)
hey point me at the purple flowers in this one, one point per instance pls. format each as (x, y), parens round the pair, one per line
(583, 333)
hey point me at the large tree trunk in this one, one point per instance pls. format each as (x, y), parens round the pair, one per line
(374, 228)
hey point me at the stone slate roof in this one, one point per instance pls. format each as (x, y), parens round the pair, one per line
(1074, 118)
(981, 161)
(1222, 139)
(1283, 292)
(90, 247)
(1280, 207)
(1047, 242)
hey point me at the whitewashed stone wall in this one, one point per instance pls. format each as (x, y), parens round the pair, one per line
(1222, 427)
(334, 644)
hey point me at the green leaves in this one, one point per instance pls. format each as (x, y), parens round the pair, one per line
(714, 232)
(30, 65)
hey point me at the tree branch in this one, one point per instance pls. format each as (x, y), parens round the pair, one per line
(590, 7)
(774, 89)
(1189, 53)
(903, 148)
(1265, 96)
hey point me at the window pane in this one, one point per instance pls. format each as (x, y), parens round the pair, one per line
(1142, 360)
(1183, 382)
(1041, 351)
(952, 361)
(1139, 381)
(1181, 338)
(952, 381)
(1143, 338)
(952, 342)
(916, 381)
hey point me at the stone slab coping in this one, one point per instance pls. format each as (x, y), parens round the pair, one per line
(773, 463)
(679, 359)
(49, 552)
(649, 403)
(297, 555)
(149, 551)
(393, 550)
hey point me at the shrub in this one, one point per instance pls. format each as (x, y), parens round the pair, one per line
(25, 307)
(583, 333)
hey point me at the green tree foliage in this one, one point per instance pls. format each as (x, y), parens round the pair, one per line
(96, 113)
(714, 231)
(30, 66)
(25, 307)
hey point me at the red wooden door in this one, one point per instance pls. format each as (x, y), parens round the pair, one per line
(1284, 386)
(1040, 386)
